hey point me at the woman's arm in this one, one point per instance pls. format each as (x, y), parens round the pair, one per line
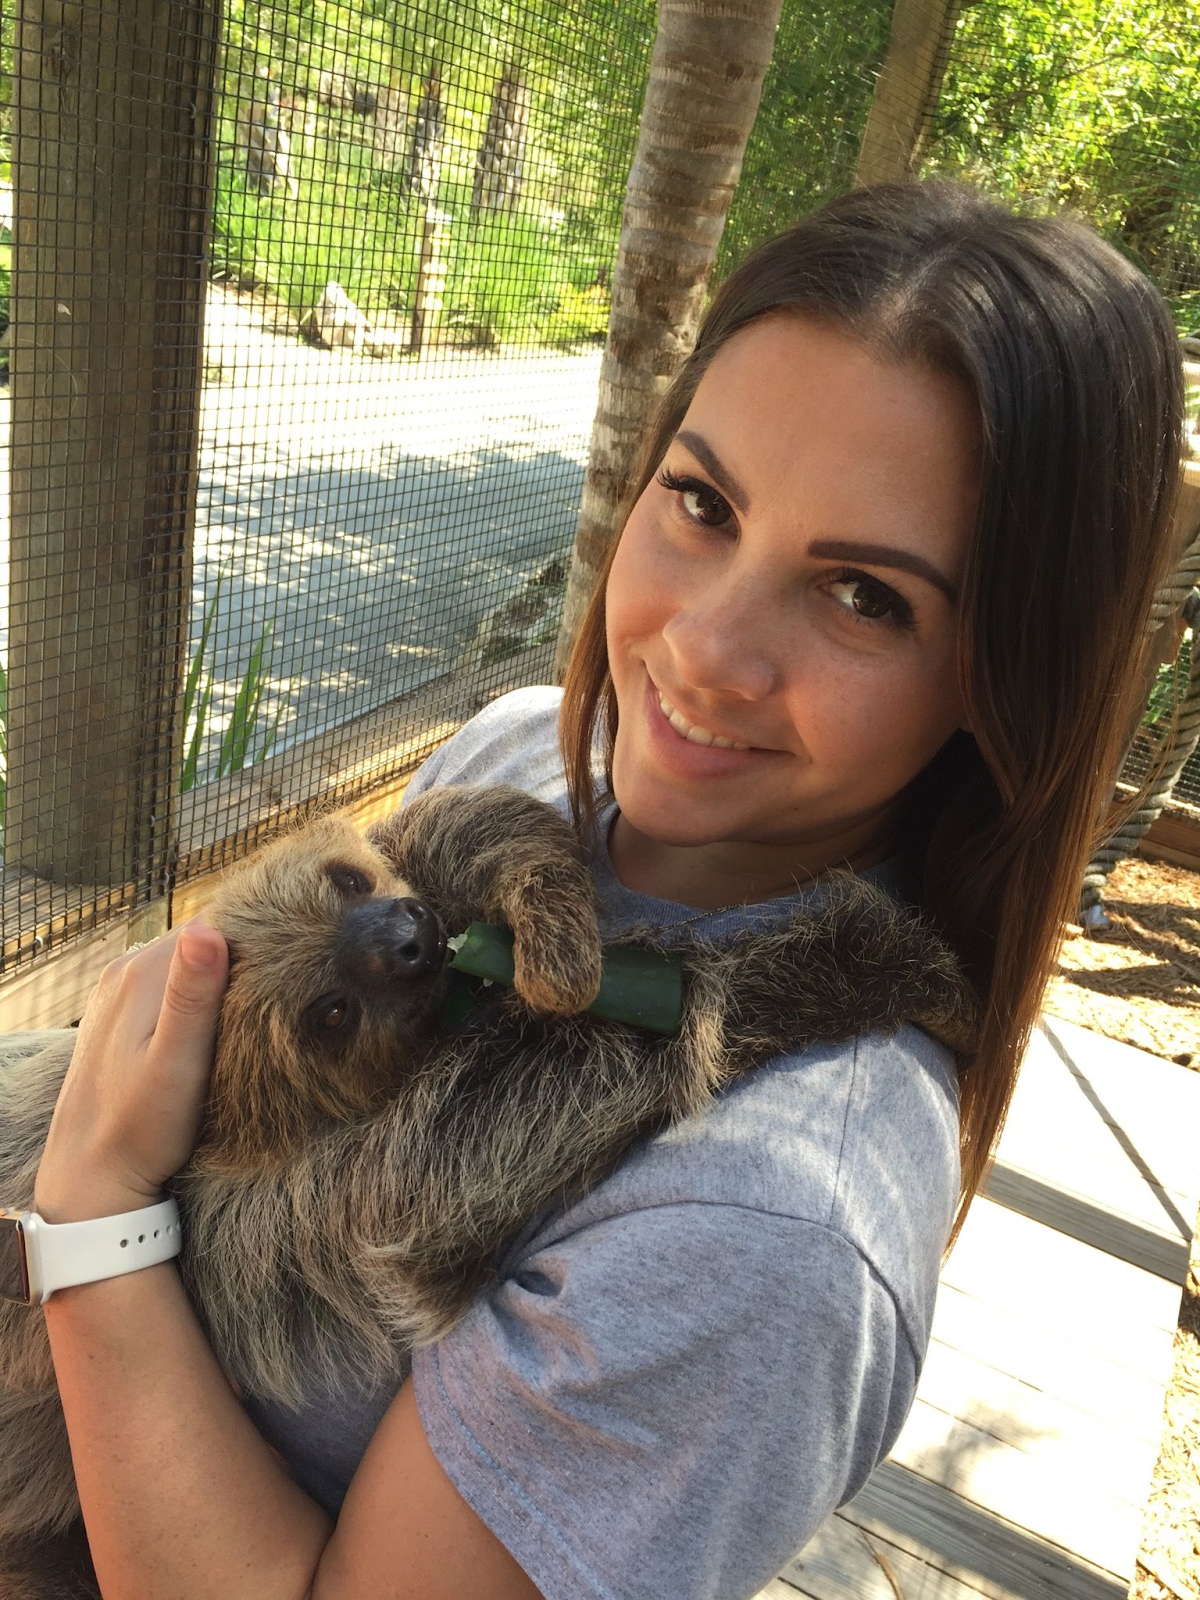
(182, 1498)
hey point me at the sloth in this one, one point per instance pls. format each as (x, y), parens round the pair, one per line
(371, 1155)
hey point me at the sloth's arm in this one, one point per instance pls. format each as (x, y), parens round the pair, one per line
(495, 854)
(864, 964)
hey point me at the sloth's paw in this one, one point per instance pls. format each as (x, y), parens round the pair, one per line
(557, 968)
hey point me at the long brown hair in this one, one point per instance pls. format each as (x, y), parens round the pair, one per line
(1074, 364)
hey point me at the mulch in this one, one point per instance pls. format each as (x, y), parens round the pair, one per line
(1141, 982)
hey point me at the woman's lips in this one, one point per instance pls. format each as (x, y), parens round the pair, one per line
(687, 757)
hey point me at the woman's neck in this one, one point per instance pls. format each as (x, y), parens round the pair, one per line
(733, 872)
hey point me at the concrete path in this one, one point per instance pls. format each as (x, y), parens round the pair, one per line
(370, 511)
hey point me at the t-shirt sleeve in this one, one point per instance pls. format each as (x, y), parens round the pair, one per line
(669, 1401)
(514, 739)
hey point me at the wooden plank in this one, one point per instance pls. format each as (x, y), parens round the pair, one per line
(1080, 1218)
(52, 993)
(363, 766)
(44, 917)
(220, 821)
(838, 1564)
(1108, 1122)
(1066, 1288)
(1174, 837)
(1089, 1380)
(1005, 1562)
(1151, 1106)
(1050, 1430)
(1075, 1509)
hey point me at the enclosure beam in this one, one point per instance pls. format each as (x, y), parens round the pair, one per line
(113, 118)
(907, 89)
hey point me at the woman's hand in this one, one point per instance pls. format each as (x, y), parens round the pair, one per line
(128, 1115)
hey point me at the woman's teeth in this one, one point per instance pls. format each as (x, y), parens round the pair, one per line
(692, 734)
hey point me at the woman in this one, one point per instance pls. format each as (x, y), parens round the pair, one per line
(878, 601)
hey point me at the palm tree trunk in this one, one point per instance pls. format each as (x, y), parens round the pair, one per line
(500, 164)
(1168, 1564)
(425, 152)
(906, 94)
(706, 77)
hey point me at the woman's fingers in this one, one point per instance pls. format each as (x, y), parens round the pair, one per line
(132, 1102)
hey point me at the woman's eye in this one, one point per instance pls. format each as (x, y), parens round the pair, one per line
(869, 600)
(700, 501)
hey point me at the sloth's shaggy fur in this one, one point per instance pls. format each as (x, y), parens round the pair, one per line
(370, 1175)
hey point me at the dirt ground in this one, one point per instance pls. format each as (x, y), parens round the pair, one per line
(1141, 982)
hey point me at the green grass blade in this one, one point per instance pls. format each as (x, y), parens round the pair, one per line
(236, 739)
(188, 780)
(193, 677)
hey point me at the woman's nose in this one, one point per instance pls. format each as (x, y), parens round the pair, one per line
(726, 640)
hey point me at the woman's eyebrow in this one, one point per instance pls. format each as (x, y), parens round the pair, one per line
(879, 555)
(707, 456)
(884, 555)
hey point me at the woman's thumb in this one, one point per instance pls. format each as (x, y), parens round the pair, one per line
(198, 973)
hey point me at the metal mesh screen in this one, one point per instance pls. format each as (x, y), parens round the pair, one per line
(1092, 108)
(307, 312)
(382, 363)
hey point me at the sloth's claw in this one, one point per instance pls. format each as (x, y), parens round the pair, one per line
(559, 977)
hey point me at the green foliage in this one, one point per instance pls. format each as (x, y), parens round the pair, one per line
(1170, 683)
(513, 276)
(1088, 104)
(237, 738)
(816, 96)
(3, 749)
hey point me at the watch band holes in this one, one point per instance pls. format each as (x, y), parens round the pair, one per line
(156, 1233)
(141, 1238)
(124, 1242)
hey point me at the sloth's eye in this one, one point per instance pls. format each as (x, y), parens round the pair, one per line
(350, 881)
(332, 1013)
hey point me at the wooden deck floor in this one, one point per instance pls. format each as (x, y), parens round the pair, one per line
(1023, 1469)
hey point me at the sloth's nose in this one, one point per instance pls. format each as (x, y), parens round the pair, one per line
(390, 940)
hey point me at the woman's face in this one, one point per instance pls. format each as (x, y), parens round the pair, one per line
(788, 583)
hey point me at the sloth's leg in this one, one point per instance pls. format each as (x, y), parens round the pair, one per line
(495, 854)
(862, 963)
(58, 1568)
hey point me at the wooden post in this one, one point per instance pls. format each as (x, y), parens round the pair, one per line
(431, 275)
(114, 108)
(909, 83)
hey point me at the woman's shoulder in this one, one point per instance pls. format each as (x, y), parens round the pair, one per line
(858, 1138)
(513, 739)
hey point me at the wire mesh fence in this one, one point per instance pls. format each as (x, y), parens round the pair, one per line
(1093, 109)
(307, 307)
(407, 218)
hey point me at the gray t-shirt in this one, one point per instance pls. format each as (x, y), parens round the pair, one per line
(677, 1378)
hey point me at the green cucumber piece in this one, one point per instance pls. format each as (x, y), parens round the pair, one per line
(642, 987)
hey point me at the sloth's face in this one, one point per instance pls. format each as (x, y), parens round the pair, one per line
(336, 975)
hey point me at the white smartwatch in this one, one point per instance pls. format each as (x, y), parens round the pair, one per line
(38, 1257)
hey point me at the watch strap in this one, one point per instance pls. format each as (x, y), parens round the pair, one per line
(60, 1255)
